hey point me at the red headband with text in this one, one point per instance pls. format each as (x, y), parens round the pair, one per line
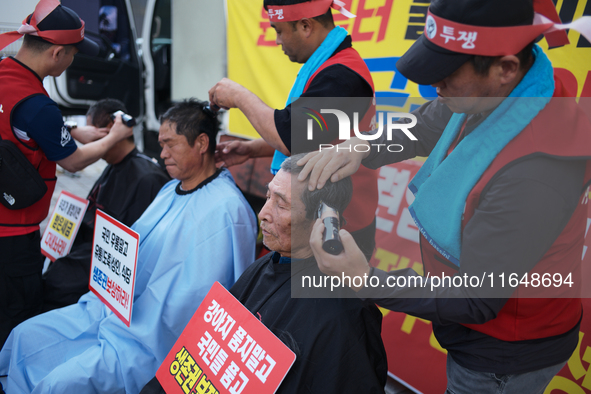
(309, 9)
(58, 37)
(499, 41)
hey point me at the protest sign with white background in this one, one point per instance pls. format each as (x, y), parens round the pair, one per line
(61, 231)
(113, 264)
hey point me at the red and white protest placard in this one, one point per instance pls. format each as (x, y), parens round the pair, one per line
(61, 230)
(113, 264)
(225, 349)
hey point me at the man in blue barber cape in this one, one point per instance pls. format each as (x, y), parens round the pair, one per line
(199, 229)
(331, 68)
(503, 192)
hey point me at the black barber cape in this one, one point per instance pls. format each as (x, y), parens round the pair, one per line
(336, 340)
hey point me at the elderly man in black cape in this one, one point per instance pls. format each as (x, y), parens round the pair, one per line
(334, 334)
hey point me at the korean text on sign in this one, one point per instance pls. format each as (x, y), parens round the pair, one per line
(224, 348)
(63, 225)
(113, 264)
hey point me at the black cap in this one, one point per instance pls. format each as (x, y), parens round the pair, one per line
(426, 63)
(63, 18)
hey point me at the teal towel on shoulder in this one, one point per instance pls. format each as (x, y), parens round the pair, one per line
(320, 55)
(442, 185)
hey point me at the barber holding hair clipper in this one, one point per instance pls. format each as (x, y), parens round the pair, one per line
(502, 192)
(53, 34)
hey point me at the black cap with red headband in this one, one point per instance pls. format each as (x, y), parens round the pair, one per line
(456, 30)
(55, 24)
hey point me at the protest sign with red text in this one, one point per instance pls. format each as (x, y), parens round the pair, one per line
(113, 264)
(225, 349)
(61, 231)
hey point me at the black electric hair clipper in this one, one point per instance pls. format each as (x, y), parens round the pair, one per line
(128, 120)
(331, 241)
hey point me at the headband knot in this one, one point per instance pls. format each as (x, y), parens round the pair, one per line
(27, 29)
(52, 13)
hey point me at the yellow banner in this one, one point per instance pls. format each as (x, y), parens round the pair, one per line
(382, 32)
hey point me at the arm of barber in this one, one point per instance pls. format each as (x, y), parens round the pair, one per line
(275, 125)
(88, 133)
(91, 152)
(229, 94)
(335, 164)
(231, 153)
(510, 231)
